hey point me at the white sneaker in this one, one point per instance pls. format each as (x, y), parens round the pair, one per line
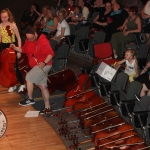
(22, 88)
(11, 89)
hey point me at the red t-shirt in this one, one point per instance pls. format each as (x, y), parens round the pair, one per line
(69, 9)
(39, 48)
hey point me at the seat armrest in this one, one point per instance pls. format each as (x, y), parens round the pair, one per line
(84, 40)
(62, 58)
(114, 92)
(128, 101)
(141, 112)
(105, 83)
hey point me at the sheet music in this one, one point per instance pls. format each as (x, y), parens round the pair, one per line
(32, 114)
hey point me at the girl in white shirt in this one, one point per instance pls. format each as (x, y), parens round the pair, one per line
(131, 64)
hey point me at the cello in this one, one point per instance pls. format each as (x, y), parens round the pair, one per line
(8, 58)
(7, 72)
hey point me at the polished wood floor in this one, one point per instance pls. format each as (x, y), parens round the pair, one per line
(25, 133)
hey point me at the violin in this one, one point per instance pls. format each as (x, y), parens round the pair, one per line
(91, 123)
(124, 142)
(112, 132)
(7, 72)
(115, 141)
(81, 85)
(80, 98)
(95, 100)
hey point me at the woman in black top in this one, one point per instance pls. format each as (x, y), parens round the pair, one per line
(100, 21)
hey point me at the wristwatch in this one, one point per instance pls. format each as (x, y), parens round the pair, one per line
(45, 63)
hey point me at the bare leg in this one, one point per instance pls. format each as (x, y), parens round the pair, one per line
(30, 87)
(144, 90)
(147, 35)
(148, 42)
(45, 94)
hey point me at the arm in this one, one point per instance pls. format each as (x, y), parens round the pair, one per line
(17, 49)
(15, 29)
(121, 62)
(96, 18)
(43, 64)
(123, 26)
(143, 15)
(145, 68)
(85, 13)
(55, 23)
(136, 68)
(39, 14)
(62, 33)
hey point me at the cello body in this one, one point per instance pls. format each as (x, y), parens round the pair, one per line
(62, 81)
(83, 82)
(7, 72)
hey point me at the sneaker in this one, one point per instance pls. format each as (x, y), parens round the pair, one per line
(27, 101)
(45, 111)
(22, 88)
(137, 97)
(11, 89)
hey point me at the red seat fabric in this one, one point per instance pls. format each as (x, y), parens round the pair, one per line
(104, 52)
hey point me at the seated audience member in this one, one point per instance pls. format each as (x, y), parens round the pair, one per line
(29, 17)
(145, 14)
(85, 10)
(42, 16)
(131, 63)
(131, 25)
(52, 21)
(137, 3)
(117, 18)
(100, 21)
(70, 9)
(61, 4)
(77, 17)
(62, 27)
(144, 78)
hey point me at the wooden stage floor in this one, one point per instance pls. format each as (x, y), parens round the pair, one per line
(25, 133)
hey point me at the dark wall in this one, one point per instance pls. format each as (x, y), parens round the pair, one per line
(17, 7)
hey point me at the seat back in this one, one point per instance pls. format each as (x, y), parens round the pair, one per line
(82, 33)
(99, 37)
(60, 58)
(143, 51)
(120, 82)
(134, 88)
(53, 43)
(72, 29)
(103, 50)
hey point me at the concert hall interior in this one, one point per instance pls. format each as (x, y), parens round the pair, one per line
(74, 74)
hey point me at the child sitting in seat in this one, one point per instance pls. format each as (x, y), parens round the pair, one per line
(77, 17)
(131, 64)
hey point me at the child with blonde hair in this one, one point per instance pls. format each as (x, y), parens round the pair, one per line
(131, 67)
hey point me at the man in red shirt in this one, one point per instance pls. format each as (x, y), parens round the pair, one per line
(40, 55)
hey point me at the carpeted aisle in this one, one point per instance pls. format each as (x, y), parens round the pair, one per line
(57, 101)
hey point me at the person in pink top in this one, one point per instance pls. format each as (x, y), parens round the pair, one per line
(40, 54)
